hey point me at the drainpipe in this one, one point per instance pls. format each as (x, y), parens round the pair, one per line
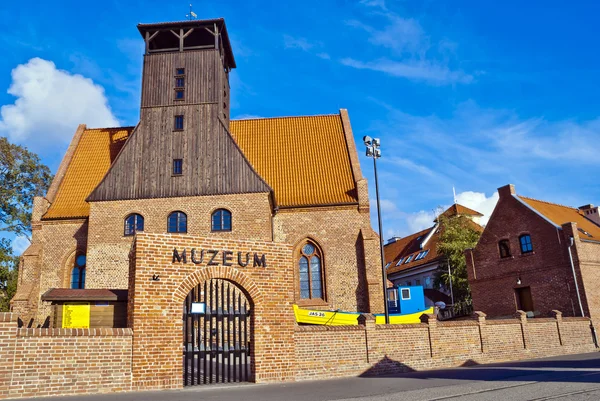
(575, 276)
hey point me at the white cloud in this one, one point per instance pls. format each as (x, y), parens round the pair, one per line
(479, 202)
(296, 43)
(50, 104)
(246, 117)
(374, 3)
(419, 221)
(387, 206)
(20, 244)
(400, 34)
(422, 70)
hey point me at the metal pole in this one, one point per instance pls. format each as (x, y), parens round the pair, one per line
(450, 277)
(384, 275)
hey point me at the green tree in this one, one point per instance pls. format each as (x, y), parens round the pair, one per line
(457, 233)
(22, 176)
(8, 274)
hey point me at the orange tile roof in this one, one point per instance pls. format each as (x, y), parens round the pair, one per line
(304, 159)
(560, 214)
(458, 209)
(411, 245)
(93, 155)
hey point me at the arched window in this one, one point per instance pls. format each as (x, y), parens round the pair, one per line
(134, 223)
(504, 247)
(78, 273)
(310, 265)
(177, 223)
(525, 241)
(221, 220)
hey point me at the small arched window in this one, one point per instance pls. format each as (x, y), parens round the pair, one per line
(310, 265)
(134, 223)
(177, 223)
(221, 220)
(525, 241)
(78, 273)
(504, 247)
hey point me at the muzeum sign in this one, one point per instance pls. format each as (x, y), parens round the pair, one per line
(215, 257)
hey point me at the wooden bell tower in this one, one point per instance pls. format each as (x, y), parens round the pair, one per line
(187, 64)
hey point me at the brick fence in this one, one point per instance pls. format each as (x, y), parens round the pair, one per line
(369, 349)
(43, 362)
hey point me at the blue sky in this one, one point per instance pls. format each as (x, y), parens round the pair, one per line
(469, 94)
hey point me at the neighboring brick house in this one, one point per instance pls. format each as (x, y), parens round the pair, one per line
(523, 259)
(186, 169)
(414, 259)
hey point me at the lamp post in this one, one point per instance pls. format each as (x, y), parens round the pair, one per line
(374, 151)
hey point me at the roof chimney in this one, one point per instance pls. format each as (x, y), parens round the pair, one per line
(590, 212)
(506, 191)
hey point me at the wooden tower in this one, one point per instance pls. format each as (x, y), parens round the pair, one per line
(182, 145)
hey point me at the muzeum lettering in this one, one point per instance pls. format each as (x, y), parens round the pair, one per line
(214, 257)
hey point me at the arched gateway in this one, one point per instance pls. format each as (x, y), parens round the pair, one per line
(217, 334)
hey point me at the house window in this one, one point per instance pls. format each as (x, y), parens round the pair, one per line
(388, 264)
(177, 223)
(177, 166)
(310, 267)
(408, 259)
(409, 283)
(221, 220)
(427, 282)
(525, 241)
(78, 273)
(399, 262)
(179, 94)
(133, 223)
(504, 247)
(405, 293)
(178, 123)
(180, 71)
(417, 282)
(179, 82)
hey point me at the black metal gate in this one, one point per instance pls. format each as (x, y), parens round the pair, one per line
(216, 334)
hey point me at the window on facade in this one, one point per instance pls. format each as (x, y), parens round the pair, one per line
(399, 262)
(427, 282)
(417, 282)
(78, 273)
(311, 272)
(504, 247)
(179, 82)
(177, 166)
(221, 220)
(180, 71)
(408, 259)
(525, 241)
(388, 264)
(409, 283)
(133, 223)
(178, 123)
(179, 94)
(177, 222)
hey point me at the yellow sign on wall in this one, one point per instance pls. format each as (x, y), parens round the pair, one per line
(76, 315)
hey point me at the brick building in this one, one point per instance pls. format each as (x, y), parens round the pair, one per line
(187, 175)
(529, 256)
(414, 259)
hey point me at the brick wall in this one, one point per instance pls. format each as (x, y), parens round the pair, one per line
(350, 249)
(371, 349)
(108, 249)
(43, 362)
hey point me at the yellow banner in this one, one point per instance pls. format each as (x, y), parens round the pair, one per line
(76, 315)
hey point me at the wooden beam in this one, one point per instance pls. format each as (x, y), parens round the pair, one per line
(174, 33)
(181, 39)
(171, 49)
(199, 47)
(147, 41)
(208, 30)
(154, 35)
(188, 33)
(216, 37)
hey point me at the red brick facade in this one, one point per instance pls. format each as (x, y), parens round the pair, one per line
(546, 271)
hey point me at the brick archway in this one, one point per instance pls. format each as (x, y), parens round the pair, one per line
(230, 274)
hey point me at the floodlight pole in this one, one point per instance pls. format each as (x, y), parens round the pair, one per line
(384, 275)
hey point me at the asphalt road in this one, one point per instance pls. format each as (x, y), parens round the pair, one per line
(572, 377)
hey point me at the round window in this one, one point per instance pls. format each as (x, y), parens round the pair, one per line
(308, 249)
(80, 261)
